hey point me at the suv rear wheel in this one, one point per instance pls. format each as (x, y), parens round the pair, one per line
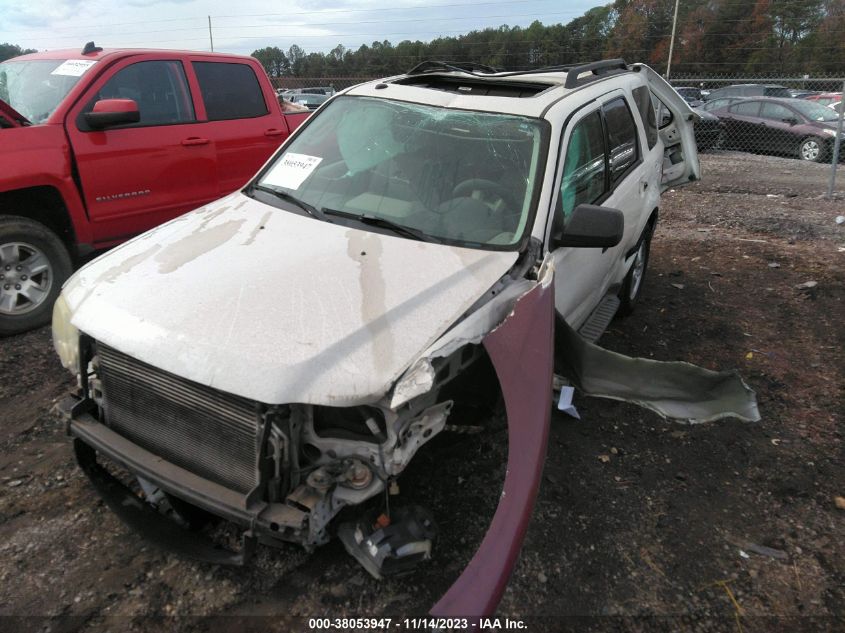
(34, 264)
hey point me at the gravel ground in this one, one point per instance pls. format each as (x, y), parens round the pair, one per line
(641, 524)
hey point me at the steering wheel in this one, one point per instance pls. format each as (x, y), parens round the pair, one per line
(493, 194)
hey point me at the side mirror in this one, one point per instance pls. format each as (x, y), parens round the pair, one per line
(592, 226)
(108, 112)
(791, 120)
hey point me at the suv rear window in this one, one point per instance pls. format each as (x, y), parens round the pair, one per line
(622, 138)
(642, 96)
(230, 91)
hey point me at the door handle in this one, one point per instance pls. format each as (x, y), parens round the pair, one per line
(194, 140)
(273, 132)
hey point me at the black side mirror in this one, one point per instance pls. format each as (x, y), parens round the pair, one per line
(591, 226)
(109, 112)
(791, 120)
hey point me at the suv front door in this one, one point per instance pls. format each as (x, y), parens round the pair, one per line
(601, 163)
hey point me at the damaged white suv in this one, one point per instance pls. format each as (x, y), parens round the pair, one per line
(284, 352)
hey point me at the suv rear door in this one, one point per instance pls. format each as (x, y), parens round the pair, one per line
(680, 162)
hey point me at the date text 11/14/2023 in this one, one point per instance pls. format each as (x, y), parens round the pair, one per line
(416, 624)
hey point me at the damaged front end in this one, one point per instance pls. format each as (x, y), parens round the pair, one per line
(284, 472)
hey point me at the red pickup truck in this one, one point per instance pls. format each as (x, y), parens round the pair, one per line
(99, 145)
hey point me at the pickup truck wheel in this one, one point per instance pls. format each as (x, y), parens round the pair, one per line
(632, 287)
(33, 266)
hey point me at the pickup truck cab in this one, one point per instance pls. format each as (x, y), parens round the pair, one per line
(100, 145)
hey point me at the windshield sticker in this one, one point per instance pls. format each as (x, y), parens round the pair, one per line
(292, 170)
(74, 67)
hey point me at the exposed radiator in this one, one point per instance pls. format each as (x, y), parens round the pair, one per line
(203, 430)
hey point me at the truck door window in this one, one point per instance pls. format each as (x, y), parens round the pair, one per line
(622, 138)
(158, 87)
(583, 180)
(230, 91)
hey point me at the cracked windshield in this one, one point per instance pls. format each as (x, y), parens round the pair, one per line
(35, 88)
(430, 173)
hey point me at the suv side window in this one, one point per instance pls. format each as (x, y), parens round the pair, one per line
(158, 87)
(642, 96)
(230, 91)
(583, 180)
(622, 138)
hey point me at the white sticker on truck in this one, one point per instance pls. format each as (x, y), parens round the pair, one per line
(74, 67)
(292, 170)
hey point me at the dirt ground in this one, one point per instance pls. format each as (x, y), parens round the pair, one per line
(640, 525)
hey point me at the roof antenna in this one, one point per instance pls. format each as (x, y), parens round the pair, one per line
(90, 47)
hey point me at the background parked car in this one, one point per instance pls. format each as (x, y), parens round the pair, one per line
(689, 93)
(780, 126)
(750, 90)
(825, 98)
(721, 103)
(709, 130)
(310, 101)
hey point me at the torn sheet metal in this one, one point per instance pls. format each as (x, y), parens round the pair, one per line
(522, 357)
(676, 390)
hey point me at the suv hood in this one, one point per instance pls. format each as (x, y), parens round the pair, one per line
(275, 306)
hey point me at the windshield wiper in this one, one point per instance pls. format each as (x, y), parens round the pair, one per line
(288, 197)
(384, 223)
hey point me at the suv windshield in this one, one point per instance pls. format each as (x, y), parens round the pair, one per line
(35, 88)
(452, 175)
(814, 111)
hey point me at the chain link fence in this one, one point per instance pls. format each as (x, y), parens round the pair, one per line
(786, 116)
(794, 117)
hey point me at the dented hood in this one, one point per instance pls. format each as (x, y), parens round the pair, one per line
(278, 307)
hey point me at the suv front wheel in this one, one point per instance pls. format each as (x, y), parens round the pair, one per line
(34, 264)
(632, 287)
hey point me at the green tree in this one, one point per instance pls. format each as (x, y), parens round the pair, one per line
(274, 60)
(7, 51)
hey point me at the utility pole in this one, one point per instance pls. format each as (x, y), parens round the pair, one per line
(837, 145)
(211, 37)
(672, 41)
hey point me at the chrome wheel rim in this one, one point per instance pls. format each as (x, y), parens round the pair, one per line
(810, 150)
(25, 278)
(637, 272)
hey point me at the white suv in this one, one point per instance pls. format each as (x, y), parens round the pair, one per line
(285, 351)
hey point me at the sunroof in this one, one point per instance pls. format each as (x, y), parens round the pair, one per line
(475, 87)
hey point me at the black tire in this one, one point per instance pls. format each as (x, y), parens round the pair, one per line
(812, 149)
(28, 291)
(632, 287)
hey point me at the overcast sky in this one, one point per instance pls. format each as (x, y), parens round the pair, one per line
(246, 25)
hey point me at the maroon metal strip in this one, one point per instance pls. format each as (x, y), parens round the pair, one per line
(521, 352)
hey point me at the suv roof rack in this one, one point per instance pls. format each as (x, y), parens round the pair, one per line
(604, 67)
